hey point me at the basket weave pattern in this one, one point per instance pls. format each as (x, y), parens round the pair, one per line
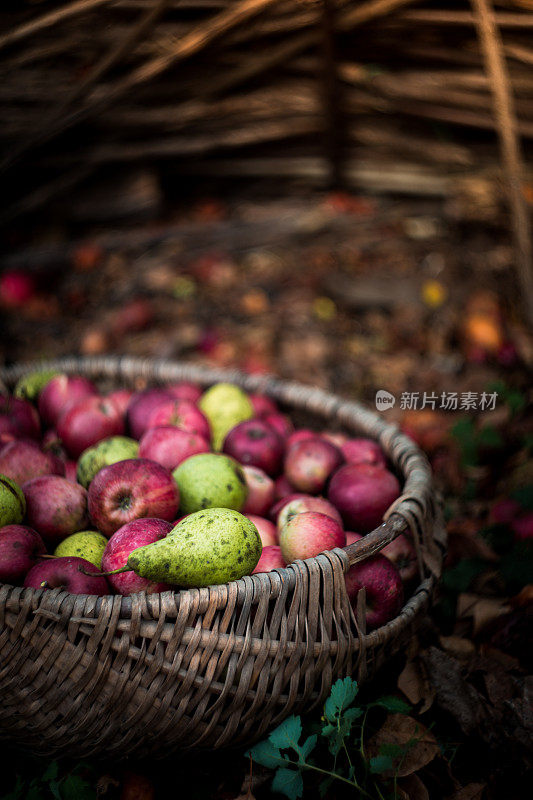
(210, 667)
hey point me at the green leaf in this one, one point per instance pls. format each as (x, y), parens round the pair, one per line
(324, 785)
(308, 746)
(288, 782)
(393, 704)
(524, 496)
(287, 734)
(459, 577)
(490, 437)
(391, 749)
(51, 772)
(343, 693)
(266, 754)
(74, 787)
(380, 764)
(54, 787)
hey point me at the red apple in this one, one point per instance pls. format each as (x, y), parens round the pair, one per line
(185, 390)
(23, 460)
(71, 471)
(308, 534)
(352, 537)
(522, 527)
(282, 488)
(18, 419)
(182, 414)
(383, 585)
(267, 530)
(62, 392)
(254, 442)
(281, 423)
(276, 508)
(505, 510)
(402, 553)
(19, 548)
(129, 537)
(262, 405)
(169, 446)
(16, 288)
(53, 444)
(300, 435)
(260, 491)
(121, 398)
(68, 573)
(309, 464)
(307, 503)
(363, 451)
(338, 439)
(270, 559)
(141, 405)
(55, 507)
(88, 422)
(129, 490)
(363, 493)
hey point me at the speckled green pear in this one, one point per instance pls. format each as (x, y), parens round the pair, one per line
(12, 502)
(210, 480)
(212, 546)
(30, 386)
(106, 452)
(89, 545)
(224, 405)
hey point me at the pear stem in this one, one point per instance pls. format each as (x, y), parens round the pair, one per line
(125, 568)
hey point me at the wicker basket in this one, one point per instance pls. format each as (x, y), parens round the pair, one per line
(148, 674)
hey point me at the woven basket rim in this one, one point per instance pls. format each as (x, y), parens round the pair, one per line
(399, 516)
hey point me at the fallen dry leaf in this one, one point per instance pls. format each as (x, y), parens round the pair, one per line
(414, 788)
(414, 684)
(457, 646)
(483, 610)
(418, 743)
(474, 791)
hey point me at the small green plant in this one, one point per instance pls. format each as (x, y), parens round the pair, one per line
(336, 752)
(50, 784)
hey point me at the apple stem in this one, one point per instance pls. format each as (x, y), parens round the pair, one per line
(47, 555)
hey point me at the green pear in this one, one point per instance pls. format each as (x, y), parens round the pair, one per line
(224, 405)
(89, 545)
(210, 480)
(30, 386)
(12, 502)
(106, 452)
(209, 547)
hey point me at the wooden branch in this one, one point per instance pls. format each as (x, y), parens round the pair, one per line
(510, 145)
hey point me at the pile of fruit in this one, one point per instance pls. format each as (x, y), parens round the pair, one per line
(179, 487)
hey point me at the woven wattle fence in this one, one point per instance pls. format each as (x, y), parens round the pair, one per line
(217, 666)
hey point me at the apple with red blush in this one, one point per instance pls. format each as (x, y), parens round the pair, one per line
(254, 443)
(262, 405)
(271, 558)
(74, 575)
(267, 530)
(18, 419)
(282, 488)
(61, 393)
(122, 543)
(181, 414)
(20, 548)
(169, 446)
(383, 586)
(121, 399)
(400, 551)
(55, 507)
(281, 423)
(300, 435)
(362, 493)
(260, 495)
(129, 490)
(185, 390)
(276, 508)
(363, 451)
(22, 460)
(309, 464)
(141, 406)
(338, 439)
(307, 503)
(308, 534)
(87, 422)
